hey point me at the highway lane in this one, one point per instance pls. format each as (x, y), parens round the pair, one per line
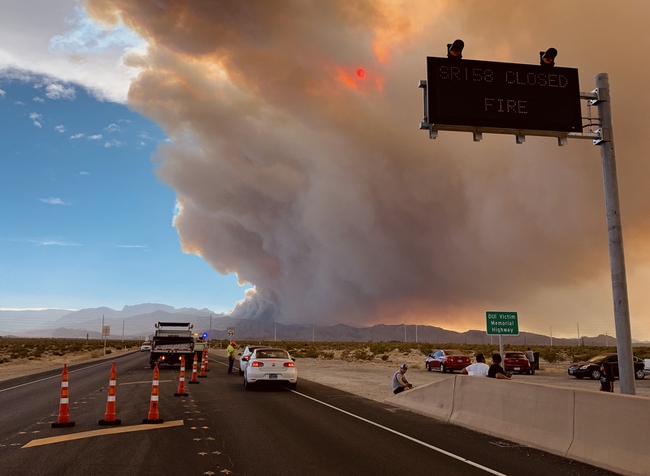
(226, 430)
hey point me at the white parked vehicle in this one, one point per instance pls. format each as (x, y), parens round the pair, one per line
(145, 347)
(244, 356)
(271, 364)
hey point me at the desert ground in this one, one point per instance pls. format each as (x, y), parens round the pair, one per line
(369, 379)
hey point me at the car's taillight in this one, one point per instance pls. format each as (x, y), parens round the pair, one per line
(245, 358)
(257, 363)
(289, 364)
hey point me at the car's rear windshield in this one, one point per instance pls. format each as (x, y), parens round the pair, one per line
(454, 352)
(272, 354)
(598, 359)
(515, 356)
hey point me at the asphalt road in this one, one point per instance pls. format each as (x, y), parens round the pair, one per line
(222, 429)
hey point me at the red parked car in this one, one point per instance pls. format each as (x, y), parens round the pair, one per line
(516, 362)
(447, 360)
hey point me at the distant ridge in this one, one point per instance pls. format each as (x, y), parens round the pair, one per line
(137, 322)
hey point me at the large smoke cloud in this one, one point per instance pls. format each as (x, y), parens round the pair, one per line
(312, 182)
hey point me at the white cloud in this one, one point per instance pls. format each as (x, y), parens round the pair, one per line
(50, 242)
(37, 99)
(35, 117)
(143, 247)
(60, 128)
(95, 137)
(83, 172)
(53, 201)
(112, 128)
(2, 94)
(58, 91)
(19, 103)
(77, 136)
(113, 143)
(62, 43)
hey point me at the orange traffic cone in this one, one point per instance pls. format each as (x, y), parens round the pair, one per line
(109, 416)
(154, 415)
(64, 415)
(203, 357)
(194, 372)
(181, 380)
(207, 351)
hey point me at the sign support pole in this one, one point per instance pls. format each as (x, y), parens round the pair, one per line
(614, 229)
(500, 346)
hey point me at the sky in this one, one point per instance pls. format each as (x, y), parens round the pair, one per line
(244, 164)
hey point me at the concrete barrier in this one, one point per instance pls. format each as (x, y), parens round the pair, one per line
(606, 430)
(611, 431)
(535, 415)
(435, 399)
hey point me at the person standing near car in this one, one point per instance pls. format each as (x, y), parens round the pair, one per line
(230, 352)
(479, 369)
(531, 358)
(400, 383)
(496, 371)
(606, 378)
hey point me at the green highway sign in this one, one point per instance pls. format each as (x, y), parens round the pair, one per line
(502, 323)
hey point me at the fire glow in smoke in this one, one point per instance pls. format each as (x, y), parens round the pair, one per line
(305, 174)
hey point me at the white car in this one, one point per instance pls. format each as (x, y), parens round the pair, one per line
(271, 364)
(145, 347)
(244, 356)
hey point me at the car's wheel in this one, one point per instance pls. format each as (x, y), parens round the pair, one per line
(427, 366)
(595, 374)
(442, 368)
(247, 385)
(579, 377)
(639, 374)
(527, 372)
(293, 386)
(241, 372)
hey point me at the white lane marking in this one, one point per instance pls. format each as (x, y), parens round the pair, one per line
(426, 445)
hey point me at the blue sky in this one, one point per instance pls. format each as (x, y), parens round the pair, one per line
(85, 222)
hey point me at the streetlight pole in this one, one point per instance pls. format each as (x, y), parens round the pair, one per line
(614, 229)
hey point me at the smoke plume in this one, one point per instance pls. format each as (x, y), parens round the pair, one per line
(298, 165)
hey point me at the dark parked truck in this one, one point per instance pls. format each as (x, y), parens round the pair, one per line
(171, 340)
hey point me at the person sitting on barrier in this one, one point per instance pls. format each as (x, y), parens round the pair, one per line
(606, 378)
(399, 380)
(479, 369)
(496, 371)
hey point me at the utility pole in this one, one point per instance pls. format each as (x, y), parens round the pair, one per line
(210, 334)
(275, 332)
(103, 336)
(578, 324)
(404, 332)
(551, 336)
(122, 330)
(615, 232)
(416, 333)
(313, 332)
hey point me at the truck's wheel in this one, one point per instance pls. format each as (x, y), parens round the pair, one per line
(152, 365)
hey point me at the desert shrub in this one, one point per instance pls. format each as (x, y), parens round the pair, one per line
(384, 357)
(327, 355)
(362, 354)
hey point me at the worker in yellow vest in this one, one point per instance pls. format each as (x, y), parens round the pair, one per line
(230, 352)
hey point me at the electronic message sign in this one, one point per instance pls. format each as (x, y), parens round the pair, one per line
(487, 94)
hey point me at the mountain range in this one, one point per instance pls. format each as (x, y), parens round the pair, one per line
(137, 322)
